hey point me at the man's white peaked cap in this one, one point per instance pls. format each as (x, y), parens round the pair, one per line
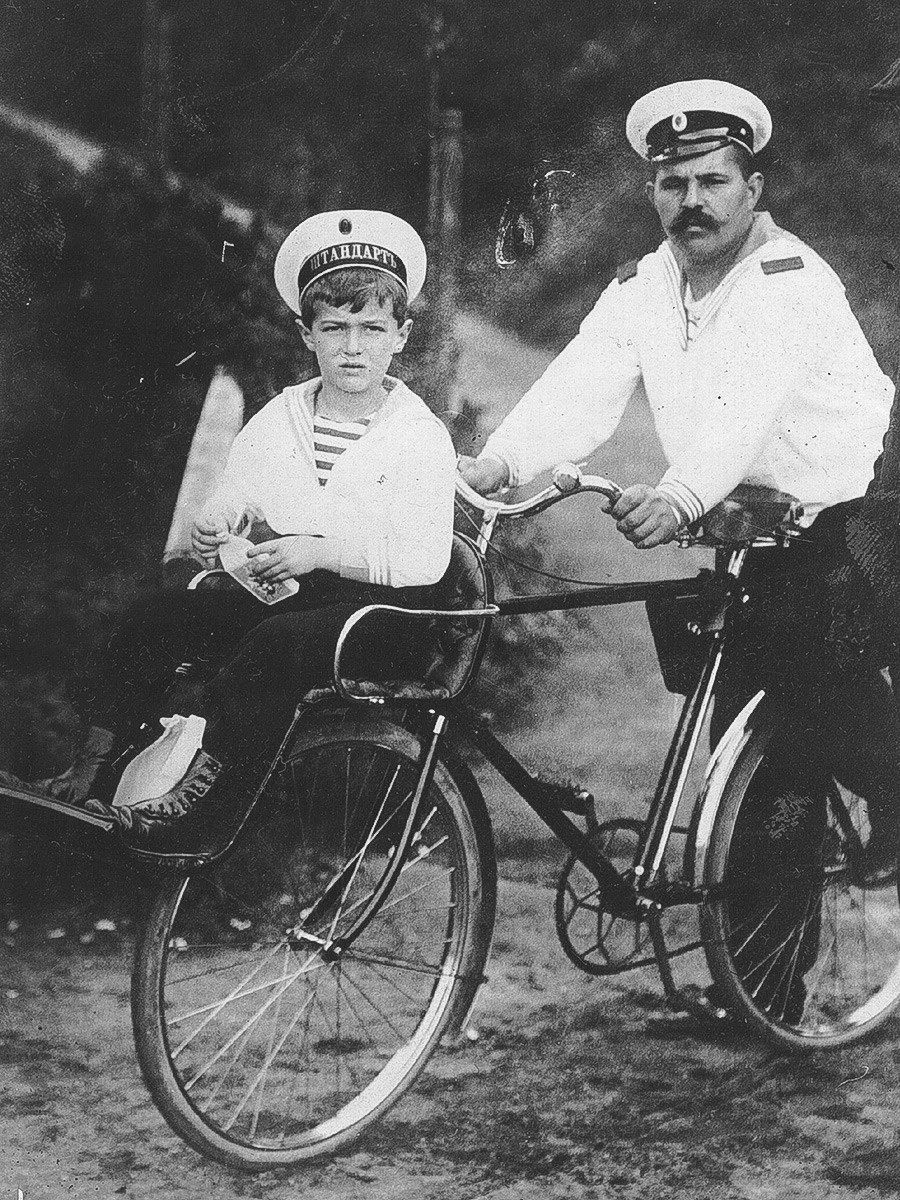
(680, 118)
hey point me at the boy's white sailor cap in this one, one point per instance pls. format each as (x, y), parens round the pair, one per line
(692, 117)
(351, 237)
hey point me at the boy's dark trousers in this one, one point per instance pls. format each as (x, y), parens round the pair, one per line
(255, 661)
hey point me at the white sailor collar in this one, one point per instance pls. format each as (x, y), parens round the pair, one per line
(764, 228)
(400, 400)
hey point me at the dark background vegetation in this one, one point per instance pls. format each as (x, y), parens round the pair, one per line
(116, 302)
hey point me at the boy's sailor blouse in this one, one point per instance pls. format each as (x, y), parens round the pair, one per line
(387, 507)
(770, 381)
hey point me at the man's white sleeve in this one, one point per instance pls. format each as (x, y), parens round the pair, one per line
(579, 400)
(772, 342)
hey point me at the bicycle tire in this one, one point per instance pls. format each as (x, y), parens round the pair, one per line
(797, 945)
(258, 1050)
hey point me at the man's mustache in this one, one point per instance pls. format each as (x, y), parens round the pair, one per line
(693, 216)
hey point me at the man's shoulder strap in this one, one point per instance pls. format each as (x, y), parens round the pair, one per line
(627, 270)
(774, 266)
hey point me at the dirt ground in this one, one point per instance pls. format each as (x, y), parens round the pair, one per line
(575, 1087)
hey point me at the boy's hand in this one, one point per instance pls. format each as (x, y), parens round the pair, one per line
(645, 516)
(284, 558)
(208, 534)
(487, 475)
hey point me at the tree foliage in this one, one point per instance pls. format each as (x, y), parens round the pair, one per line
(106, 354)
(295, 105)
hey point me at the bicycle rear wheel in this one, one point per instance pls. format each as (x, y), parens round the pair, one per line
(262, 1041)
(797, 943)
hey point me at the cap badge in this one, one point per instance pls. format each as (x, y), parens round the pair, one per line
(679, 122)
(345, 225)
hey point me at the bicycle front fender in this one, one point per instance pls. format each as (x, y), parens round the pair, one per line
(753, 717)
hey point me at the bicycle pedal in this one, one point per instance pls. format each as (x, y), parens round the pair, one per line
(697, 1002)
(568, 796)
(670, 893)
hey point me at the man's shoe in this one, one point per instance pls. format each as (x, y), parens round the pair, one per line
(193, 818)
(75, 784)
(719, 1004)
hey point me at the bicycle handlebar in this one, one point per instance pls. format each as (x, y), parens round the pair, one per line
(769, 518)
(567, 480)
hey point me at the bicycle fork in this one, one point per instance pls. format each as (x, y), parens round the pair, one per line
(333, 948)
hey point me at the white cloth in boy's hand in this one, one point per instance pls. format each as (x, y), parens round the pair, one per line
(233, 555)
(283, 558)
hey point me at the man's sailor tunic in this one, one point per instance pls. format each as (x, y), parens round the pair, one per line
(768, 379)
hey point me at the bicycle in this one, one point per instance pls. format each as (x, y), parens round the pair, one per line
(289, 990)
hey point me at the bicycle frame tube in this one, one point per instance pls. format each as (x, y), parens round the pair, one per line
(618, 895)
(73, 829)
(683, 747)
(601, 596)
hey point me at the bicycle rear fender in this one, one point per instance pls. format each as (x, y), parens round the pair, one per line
(753, 717)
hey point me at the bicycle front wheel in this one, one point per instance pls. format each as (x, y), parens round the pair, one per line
(270, 1027)
(797, 943)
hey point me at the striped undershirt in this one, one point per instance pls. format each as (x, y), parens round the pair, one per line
(331, 439)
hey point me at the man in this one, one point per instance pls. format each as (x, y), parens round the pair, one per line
(756, 371)
(755, 368)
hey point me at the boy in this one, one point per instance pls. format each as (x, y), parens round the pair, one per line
(352, 478)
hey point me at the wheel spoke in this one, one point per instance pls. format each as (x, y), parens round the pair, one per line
(360, 854)
(214, 1008)
(272, 1053)
(367, 999)
(251, 1021)
(357, 904)
(235, 997)
(428, 884)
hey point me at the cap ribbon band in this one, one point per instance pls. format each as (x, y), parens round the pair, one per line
(695, 147)
(350, 254)
(689, 134)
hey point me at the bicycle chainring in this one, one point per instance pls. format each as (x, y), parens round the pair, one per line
(595, 939)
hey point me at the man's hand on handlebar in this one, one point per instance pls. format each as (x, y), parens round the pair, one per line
(645, 517)
(487, 475)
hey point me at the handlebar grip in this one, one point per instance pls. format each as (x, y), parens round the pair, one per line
(567, 481)
(567, 478)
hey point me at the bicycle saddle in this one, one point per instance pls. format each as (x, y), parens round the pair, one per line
(749, 512)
